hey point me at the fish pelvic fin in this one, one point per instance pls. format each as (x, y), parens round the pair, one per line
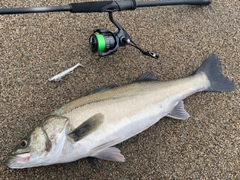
(87, 127)
(178, 112)
(110, 154)
(212, 68)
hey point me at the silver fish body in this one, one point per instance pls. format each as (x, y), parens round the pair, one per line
(93, 124)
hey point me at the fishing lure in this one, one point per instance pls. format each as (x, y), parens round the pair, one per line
(59, 76)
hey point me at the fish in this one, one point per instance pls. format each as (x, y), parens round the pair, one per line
(92, 125)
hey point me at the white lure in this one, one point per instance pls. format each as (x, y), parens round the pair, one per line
(59, 76)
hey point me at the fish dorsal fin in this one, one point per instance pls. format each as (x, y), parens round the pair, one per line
(110, 154)
(147, 77)
(104, 88)
(87, 127)
(179, 112)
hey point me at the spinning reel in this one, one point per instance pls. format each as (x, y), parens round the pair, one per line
(106, 42)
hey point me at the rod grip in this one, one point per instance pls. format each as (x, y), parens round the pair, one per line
(102, 6)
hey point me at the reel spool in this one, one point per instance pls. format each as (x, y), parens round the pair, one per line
(102, 42)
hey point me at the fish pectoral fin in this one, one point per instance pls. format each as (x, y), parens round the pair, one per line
(179, 112)
(110, 154)
(87, 127)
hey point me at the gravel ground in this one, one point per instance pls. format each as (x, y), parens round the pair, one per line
(34, 47)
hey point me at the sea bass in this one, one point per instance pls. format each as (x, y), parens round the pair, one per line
(91, 125)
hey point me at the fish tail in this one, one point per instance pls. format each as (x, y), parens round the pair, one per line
(218, 82)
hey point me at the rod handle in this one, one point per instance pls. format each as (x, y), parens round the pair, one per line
(102, 6)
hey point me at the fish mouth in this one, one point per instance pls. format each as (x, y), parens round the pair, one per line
(14, 160)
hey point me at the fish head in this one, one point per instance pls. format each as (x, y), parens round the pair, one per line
(42, 146)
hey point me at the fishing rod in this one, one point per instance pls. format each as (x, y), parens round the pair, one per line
(106, 42)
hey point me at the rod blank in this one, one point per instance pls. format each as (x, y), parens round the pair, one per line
(35, 9)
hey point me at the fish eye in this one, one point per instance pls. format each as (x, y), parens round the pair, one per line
(23, 143)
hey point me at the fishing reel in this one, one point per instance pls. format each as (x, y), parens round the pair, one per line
(106, 42)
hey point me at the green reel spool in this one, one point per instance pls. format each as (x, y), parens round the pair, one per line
(102, 42)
